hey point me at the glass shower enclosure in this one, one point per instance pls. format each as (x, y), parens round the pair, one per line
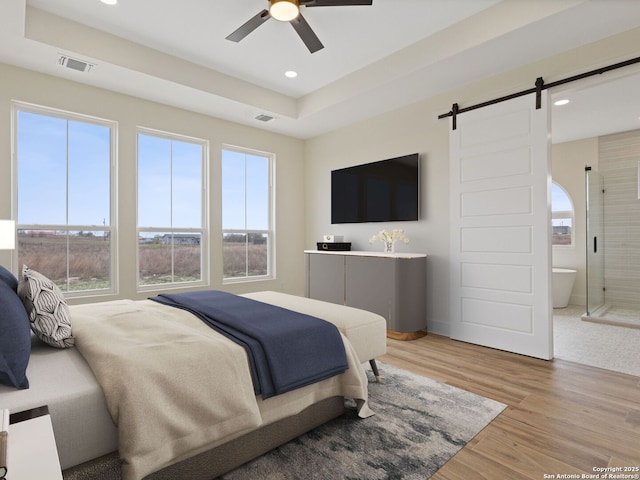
(594, 194)
(612, 192)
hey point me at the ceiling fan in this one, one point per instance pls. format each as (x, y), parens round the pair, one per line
(289, 11)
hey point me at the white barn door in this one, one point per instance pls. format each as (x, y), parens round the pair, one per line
(500, 180)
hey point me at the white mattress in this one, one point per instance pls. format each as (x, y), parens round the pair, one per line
(61, 379)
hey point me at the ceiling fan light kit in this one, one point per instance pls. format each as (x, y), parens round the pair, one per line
(289, 11)
(284, 10)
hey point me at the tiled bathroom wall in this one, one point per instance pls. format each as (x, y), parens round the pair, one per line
(619, 163)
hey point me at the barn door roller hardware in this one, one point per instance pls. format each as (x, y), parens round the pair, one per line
(539, 87)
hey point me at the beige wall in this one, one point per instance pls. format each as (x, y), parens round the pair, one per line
(568, 161)
(302, 210)
(415, 128)
(130, 112)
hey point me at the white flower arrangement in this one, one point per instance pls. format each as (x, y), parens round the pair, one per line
(389, 238)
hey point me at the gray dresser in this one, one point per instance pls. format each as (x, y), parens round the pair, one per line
(389, 284)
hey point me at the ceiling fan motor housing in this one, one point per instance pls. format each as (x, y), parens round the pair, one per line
(284, 10)
(289, 11)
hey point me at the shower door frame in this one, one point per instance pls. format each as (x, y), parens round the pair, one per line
(594, 198)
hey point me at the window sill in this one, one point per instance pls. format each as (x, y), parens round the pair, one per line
(229, 281)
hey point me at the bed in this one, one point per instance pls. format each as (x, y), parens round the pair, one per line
(91, 447)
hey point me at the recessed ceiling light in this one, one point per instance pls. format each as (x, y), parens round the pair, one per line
(109, 2)
(558, 103)
(290, 74)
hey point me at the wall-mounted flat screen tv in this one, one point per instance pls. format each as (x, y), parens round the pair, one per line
(384, 191)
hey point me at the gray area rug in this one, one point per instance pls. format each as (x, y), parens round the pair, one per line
(418, 426)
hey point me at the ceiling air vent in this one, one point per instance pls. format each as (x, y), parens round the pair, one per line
(74, 63)
(264, 118)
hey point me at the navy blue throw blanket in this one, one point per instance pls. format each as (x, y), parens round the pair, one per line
(286, 349)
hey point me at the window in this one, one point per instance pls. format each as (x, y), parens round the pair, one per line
(65, 198)
(246, 214)
(562, 216)
(171, 209)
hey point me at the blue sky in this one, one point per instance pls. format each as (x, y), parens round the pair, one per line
(56, 152)
(42, 171)
(559, 199)
(255, 192)
(169, 183)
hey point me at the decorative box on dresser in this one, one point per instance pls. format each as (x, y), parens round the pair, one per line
(390, 284)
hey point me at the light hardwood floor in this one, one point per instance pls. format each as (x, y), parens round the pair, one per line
(561, 417)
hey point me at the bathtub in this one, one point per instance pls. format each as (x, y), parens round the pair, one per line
(562, 284)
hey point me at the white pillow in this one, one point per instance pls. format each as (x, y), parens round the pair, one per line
(48, 311)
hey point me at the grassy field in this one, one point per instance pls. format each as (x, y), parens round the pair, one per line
(89, 260)
(155, 264)
(240, 261)
(561, 239)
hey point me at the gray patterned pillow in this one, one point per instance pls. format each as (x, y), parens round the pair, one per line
(48, 311)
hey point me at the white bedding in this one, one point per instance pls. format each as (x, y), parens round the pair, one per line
(190, 389)
(82, 424)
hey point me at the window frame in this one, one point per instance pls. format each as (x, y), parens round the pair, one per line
(570, 214)
(269, 232)
(16, 108)
(203, 230)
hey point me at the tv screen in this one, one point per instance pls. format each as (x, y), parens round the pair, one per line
(384, 191)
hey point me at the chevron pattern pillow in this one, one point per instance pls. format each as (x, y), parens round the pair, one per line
(47, 309)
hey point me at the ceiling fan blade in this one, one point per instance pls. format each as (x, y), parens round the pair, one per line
(334, 3)
(249, 26)
(307, 35)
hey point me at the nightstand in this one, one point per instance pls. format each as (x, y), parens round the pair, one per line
(31, 447)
